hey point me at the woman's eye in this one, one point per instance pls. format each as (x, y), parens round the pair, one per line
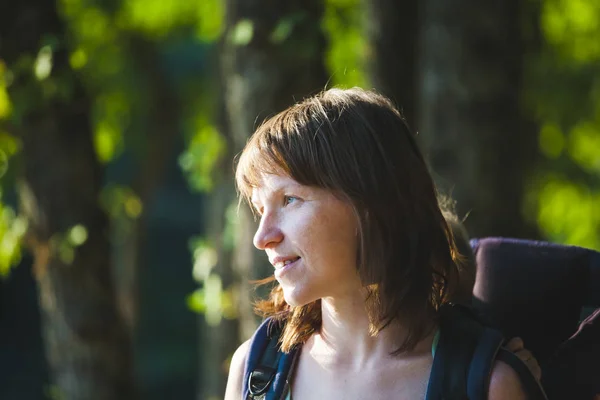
(289, 199)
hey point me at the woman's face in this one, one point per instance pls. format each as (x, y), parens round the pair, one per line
(310, 237)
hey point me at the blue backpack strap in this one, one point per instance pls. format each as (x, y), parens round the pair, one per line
(465, 356)
(267, 367)
(480, 370)
(460, 339)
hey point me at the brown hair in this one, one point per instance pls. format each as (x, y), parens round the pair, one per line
(356, 144)
(467, 269)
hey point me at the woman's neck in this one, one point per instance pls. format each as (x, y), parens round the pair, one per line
(344, 338)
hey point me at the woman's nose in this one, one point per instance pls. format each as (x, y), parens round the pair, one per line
(268, 232)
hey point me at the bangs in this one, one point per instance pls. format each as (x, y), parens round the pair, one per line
(262, 155)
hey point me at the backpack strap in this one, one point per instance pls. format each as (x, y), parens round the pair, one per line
(480, 370)
(462, 340)
(466, 353)
(267, 367)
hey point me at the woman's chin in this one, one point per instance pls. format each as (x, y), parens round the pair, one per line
(295, 299)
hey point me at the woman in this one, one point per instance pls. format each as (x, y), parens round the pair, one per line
(361, 252)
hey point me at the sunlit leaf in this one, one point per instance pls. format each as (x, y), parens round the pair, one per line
(242, 32)
(105, 140)
(346, 55)
(584, 146)
(205, 259)
(5, 106)
(78, 235)
(43, 63)
(78, 59)
(568, 213)
(195, 301)
(573, 26)
(205, 148)
(211, 14)
(157, 17)
(213, 290)
(12, 230)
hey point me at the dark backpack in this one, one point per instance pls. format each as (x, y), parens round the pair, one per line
(465, 354)
(540, 292)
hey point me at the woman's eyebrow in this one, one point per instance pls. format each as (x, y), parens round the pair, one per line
(268, 192)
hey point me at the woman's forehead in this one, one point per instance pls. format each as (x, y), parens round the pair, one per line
(274, 183)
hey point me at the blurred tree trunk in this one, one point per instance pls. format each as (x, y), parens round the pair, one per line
(155, 146)
(392, 27)
(87, 345)
(471, 119)
(272, 57)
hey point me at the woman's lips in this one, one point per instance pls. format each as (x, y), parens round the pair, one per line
(282, 271)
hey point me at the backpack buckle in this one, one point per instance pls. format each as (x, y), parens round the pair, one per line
(259, 380)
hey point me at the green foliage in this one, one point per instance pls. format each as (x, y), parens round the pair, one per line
(112, 113)
(211, 16)
(99, 54)
(158, 18)
(64, 244)
(584, 146)
(12, 230)
(285, 26)
(242, 33)
(569, 212)
(205, 148)
(120, 201)
(211, 299)
(571, 26)
(346, 56)
(565, 91)
(5, 105)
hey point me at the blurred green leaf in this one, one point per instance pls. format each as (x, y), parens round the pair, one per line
(211, 14)
(584, 146)
(5, 106)
(214, 302)
(156, 18)
(78, 59)
(205, 259)
(213, 289)
(346, 56)
(195, 301)
(78, 235)
(242, 32)
(568, 213)
(285, 26)
(121, 202)
(12, 230)
(43, 63)
(564, 89)
(572, 26)
(107, 139)
(204, 150)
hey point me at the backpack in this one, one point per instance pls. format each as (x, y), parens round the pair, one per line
(462, 365)
(540, 292)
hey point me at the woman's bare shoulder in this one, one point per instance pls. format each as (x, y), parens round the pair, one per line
(505, 383)
(236, 372)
